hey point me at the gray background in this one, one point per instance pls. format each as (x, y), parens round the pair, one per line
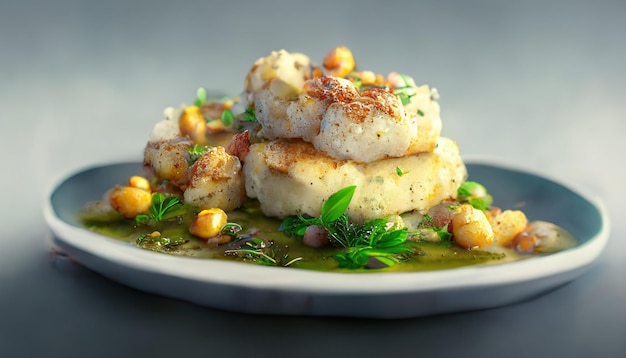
(540, 84)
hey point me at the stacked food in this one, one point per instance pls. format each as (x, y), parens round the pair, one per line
(317, 133)
(346, 157)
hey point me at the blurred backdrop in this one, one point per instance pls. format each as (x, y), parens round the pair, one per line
(537, 83)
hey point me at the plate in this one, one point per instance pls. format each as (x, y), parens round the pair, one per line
(259, 289)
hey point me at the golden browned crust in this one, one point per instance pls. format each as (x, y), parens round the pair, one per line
(280, 154)
(169, 159)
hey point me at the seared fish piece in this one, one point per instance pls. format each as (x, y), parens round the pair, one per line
(291, 177)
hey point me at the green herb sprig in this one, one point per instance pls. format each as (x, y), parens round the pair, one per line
(196, 152)
(371, 244)
(400, 172)
(262, 252)
(249, 115)
(475, 194)
(405, 91)
(162, 208)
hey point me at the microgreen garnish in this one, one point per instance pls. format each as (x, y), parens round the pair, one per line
(404, 90)
(371, 244)
(475, 194)
(196, 152)
(156, 241)
(163, 208)
(262, 252)
(231, 229)
(201, 97)
(400, 172)
(442, 232)
(228, 118)
(249, 115)
(420, 113)
(404, 97)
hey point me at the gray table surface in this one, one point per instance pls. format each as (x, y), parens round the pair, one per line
(538, 83)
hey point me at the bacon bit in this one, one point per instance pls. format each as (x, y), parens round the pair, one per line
(239, 146)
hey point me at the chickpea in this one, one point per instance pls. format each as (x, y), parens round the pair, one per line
(139, 182)
(380, 80)
(367, 77)
(471, 229)
(507, 225)
(130, 201)
(193, 124)
(339, 61)
(208, 223)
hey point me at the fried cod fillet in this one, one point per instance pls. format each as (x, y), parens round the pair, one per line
(291, 177)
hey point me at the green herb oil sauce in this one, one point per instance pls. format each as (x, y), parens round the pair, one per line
(428, 256)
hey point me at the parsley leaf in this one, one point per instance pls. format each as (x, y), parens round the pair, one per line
(163, 208)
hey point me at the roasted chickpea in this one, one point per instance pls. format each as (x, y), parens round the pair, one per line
(208, 223)
(139, 182)
(339, 61)
(130, 201)
(192, 124)
(471, 229)
(367, 77)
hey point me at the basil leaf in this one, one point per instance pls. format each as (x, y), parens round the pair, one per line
(337, 204)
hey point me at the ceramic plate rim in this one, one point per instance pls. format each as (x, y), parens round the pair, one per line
(297, 280)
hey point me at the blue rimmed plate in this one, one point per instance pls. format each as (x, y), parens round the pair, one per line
(286, 291)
